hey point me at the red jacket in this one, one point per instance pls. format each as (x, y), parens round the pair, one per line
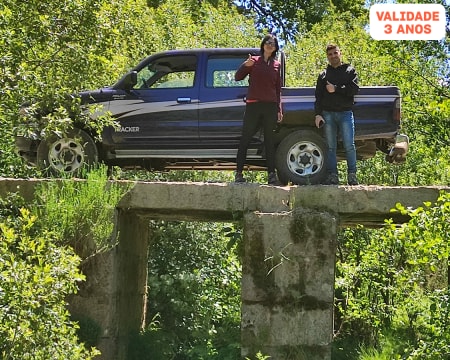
(264, 81)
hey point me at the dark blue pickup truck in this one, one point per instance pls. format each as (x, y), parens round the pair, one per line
(183, 109)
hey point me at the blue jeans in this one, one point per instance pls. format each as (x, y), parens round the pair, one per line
(343, 122)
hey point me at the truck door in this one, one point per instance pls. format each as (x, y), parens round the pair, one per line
(162, 108)
(222, 100)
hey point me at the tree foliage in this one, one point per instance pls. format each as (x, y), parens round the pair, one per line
(286, 18)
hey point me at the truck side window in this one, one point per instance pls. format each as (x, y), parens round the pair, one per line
(168, 72)
(221, 69)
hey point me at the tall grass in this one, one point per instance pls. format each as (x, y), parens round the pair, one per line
(81, 212)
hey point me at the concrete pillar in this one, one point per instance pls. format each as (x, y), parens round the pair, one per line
(131, 277)
(288, 285)
(96, 300)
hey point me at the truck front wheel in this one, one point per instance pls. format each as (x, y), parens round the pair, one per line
(68, 154)
(301, 158)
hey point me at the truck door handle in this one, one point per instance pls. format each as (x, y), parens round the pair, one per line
(184, 100)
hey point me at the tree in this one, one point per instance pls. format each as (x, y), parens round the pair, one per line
(290, 18)
(286, 18)
(49, 51)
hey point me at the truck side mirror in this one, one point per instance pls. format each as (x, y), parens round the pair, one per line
(127, 81)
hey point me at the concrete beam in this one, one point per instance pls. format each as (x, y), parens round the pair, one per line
(365, 205)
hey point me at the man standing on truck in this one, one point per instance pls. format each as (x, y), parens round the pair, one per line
(335, 90)
(263, 108)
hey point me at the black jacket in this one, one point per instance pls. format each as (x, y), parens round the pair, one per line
(346, 81)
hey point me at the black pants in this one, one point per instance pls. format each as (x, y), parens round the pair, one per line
(257, 115)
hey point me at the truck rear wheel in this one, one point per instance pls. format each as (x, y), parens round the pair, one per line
(68, 154)
(301, 158)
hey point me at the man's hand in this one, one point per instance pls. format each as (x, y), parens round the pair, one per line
(280, 117)
(330, 87)
(319, 121)
(250, 61)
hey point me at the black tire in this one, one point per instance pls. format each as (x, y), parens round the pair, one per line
(68, 154)
(301, 158)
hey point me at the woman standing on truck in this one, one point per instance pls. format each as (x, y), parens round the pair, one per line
(263, 105)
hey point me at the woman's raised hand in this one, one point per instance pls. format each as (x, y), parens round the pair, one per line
(250, 61)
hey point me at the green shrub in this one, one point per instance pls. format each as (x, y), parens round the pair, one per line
(392, 287)
(35, 278)
(194, 297)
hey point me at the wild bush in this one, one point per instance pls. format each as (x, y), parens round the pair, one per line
(36, 275)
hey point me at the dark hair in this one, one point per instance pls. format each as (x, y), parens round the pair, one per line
(267, 38)
(331, 46)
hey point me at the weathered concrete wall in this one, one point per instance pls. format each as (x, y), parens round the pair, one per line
(288, 264)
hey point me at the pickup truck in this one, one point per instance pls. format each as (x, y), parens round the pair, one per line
(183, 109)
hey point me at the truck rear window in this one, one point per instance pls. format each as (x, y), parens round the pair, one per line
(221, 69)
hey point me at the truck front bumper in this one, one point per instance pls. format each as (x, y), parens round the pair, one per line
(27, 149)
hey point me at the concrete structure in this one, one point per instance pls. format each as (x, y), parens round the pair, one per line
(288, 264)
